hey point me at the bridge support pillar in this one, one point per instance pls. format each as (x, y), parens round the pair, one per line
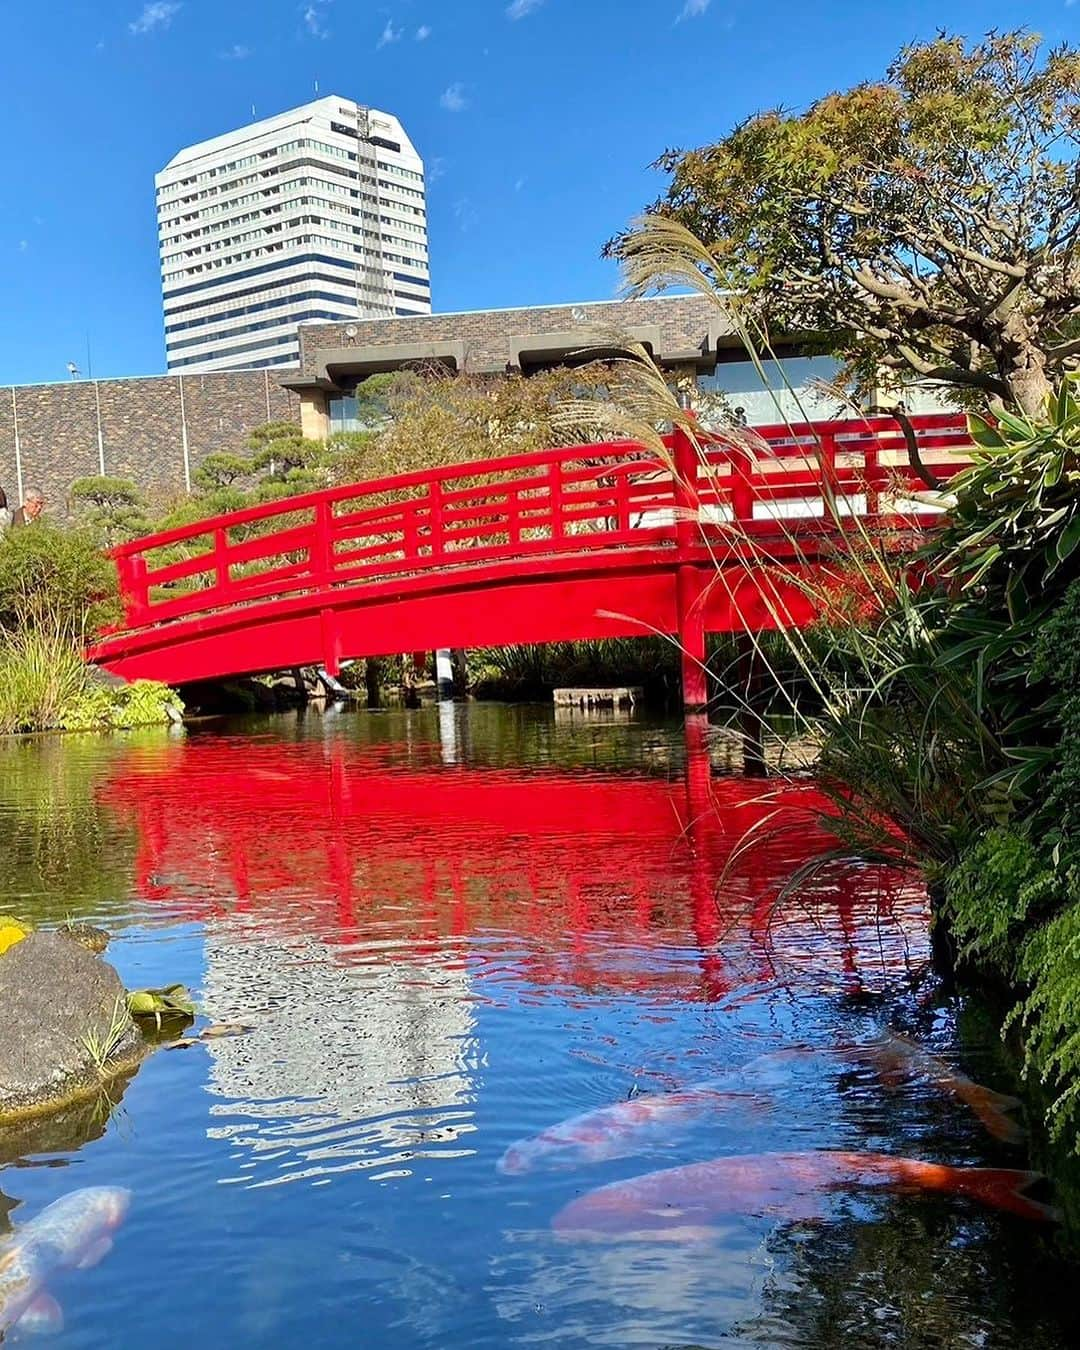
(690, 583)
(444, 673)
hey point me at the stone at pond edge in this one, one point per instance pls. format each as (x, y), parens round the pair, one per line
(55, 997)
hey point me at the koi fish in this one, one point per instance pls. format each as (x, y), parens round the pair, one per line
(682, 1203)
(73, 1233)
(616, 1131)
(896, 1058)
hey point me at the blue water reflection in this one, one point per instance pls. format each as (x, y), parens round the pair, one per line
(443, 944)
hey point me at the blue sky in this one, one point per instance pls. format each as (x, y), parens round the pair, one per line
(537, 119)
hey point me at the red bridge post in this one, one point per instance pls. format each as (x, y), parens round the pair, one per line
(690, 581)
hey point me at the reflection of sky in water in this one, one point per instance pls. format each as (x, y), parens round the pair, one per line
(346, 1068)
(446, 943)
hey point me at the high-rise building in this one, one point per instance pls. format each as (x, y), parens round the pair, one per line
(315, 214)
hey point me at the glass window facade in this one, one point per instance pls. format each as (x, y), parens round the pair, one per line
(788, 395)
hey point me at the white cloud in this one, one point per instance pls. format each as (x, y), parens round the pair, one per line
(389, 34)
(156, 14)
(465, 214)
(237, 52)
(453, 99)
(693, 9)
(423, 33)
(314, 13)
(520, 9)
(24, 244)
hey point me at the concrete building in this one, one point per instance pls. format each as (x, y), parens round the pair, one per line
(157, 430)
(315, 214)
(685, 335)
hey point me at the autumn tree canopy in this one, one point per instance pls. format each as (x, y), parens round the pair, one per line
(926, 223)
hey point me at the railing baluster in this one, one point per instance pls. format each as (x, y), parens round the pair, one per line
(741, 468)
(513, 517)
(321, 552)
(410, 530)
(436, 541)
(556, 502)
(687, 506)
(221, 558)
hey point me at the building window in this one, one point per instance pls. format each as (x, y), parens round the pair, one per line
(788, 396)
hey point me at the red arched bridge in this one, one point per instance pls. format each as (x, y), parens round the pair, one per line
(592, 541)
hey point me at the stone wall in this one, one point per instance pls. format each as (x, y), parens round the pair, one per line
(487, 335)
(51, 434)
(55, 433)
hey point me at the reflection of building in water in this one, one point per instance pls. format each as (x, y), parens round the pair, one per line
(348, 1067)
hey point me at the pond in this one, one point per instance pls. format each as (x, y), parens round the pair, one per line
(444, 932)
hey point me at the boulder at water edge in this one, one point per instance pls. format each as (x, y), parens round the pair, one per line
(64, 1024)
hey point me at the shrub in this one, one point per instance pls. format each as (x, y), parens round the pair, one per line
(42, 674)
(55, 578)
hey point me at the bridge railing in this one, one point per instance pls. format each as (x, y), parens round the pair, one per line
(614, 495)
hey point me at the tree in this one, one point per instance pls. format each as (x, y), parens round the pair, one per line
(112, 505)
(926, 223)
(422, 418)
(221, 469)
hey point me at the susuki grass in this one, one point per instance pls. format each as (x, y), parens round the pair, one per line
(944, 685)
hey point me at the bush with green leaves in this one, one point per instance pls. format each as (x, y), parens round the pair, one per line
(114, 507)
(57, 577)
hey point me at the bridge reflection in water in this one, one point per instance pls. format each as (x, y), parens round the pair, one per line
(361, 903)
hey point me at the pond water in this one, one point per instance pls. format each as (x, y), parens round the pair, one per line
(447, 931)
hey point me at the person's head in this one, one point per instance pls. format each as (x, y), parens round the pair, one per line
(3, 500)
(33, 503)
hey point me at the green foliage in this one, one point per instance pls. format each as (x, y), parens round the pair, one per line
(999, 887)
(923, 222)
(529, 670)
(1048, 965)
(1057, 662)
(170, 1004)
(42, 677)
(113, 507)
(45, 684)
(422, 418)
(1015, 528)
(220, 470)
(55, 577)
(96, 707)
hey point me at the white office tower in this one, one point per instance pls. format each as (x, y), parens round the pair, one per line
(315, 214)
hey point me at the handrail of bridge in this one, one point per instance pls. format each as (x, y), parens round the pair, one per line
(614, 495)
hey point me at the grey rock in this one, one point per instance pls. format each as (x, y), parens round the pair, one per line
(56, 999)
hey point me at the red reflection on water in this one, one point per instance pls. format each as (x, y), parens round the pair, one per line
(602, 881)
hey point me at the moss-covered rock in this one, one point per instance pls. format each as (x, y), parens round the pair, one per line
(64, 1025)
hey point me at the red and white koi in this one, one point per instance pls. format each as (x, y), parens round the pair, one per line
(684, 1203)
(615, 1131)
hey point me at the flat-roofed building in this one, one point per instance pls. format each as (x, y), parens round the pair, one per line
(317, 214)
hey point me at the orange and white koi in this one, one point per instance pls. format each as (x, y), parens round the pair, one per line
(684, 1203)
(896, 1058)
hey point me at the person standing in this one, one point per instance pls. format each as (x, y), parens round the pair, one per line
(5, 511)
(33, 504)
